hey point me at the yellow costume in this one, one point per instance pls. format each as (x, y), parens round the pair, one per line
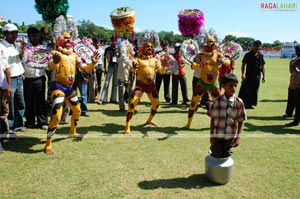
(208, 61)
(145, 67)
(64, 64)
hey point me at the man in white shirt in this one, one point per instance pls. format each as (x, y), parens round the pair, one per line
(35, 59)
(11, 57)
(5, 93)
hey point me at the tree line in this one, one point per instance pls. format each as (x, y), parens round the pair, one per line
(88, 29)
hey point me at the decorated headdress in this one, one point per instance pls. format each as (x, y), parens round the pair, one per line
(123, 20)
(148, 36)
(190, 21)
(205, 35)
(51, 9)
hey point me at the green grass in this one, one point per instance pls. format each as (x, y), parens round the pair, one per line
(159, 162)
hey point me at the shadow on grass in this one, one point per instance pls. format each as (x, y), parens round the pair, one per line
(196, 181)
(266, 118)
(24, 144)
(110, 129)
(274, 129)
(273, 100)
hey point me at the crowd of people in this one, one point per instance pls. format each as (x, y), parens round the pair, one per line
(29, 82)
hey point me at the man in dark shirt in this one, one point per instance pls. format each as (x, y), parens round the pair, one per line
(253, 62)
(110, 58)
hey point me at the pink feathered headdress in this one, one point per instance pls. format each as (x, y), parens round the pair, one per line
(190, 22)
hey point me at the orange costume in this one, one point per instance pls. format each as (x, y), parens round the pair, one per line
(145, 67)
(64, 64)
(208, 61)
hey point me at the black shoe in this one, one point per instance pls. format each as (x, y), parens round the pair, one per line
(30, 126)
(249, 107)
(286, 115)
(85, 114)
(293, 123)
(114, 102)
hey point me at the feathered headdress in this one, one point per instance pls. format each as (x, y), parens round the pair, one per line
(204, 35)
(123, 20)
(148, 36)
(190, 21)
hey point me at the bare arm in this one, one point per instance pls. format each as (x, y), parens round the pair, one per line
(8, 79)
(243, 71)
(236, 141)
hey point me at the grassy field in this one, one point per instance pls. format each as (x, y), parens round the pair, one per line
(159, 162)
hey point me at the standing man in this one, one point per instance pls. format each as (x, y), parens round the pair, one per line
(12, 57)
(163, 77)
(179, 76)
(99, 66)
(111, 59)
(35, 80)
(5, 93)
(253, 67)
(124, 65)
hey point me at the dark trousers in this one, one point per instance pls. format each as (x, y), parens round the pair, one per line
(249, 90)
(166, 78)
(182, 80)
(99, 79)
(221, 148)
(291, 102)
(4, 110)
(297, 111)
(35, 103)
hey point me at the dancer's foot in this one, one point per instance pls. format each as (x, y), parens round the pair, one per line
(48, 151)
(151, 123)
(187, 126)
(127, 134)
(75, 135)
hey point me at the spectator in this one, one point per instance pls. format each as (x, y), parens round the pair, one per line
(12, 57)
(124, 64)
(110, 58)
(35, 81)
(253, 66)
(294, 79)
(179, 76)
(99, 67)
(164, 77)
(5, 93)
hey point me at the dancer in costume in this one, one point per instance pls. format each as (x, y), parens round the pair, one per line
(145, 66)
(208, 61)
(64, 64)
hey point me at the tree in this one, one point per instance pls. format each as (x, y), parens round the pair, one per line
(230, 38)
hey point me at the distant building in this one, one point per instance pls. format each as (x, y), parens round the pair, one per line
(288, 50)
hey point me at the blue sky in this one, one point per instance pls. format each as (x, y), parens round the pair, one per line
(236, 17)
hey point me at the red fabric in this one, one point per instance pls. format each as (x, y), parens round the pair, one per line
(181, 71)
(224, 70)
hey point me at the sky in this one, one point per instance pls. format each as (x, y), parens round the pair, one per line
(235, 17)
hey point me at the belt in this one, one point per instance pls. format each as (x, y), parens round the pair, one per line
(16, 76)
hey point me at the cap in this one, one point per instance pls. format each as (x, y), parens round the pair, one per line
(10, 28)
(177, 45)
